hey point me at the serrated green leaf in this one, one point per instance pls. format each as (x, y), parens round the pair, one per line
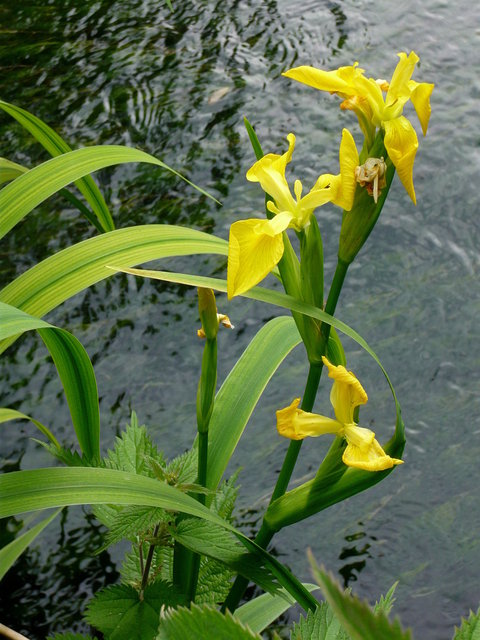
(207, 539)
(10, 552)
(355, 616)
(131, 571)
(134, 521)
(214, 582)
(202, 622)
(470, 629)
(120, 612)
(132, 452)
(224, 499)
(320, 624)
(183, 468)
(74, 369)
(385, 603)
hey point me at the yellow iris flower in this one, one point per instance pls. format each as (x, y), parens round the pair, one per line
(362, 450)
(365, 97)
(256, 246)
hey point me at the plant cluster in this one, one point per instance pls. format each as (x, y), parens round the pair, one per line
(187, 567)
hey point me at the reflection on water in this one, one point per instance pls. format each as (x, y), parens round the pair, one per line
(177, 84)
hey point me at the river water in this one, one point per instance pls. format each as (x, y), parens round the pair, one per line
(177, 84)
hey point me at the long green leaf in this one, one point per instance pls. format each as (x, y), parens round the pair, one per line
(51, 282)
(13, 550)
(11, 414)
(10, 170)
(74, 369)
(263, 610)
(22, 195)
(325, 489)
(271, 297)
(55, 145)
(36, 489)
(242, 389)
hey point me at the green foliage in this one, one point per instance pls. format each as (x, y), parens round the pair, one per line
(74, 369)
(385, 604)
(355, 616)
(133, 451)
(214, 582)
(212, 541)
(121, 612)
(470, 629)
(55, 146)
(320, 624)
(202, 622)
(10, 552)
(263, 610)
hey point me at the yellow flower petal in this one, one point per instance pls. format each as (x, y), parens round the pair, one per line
(339, 81)
(254, 248)
(420, 97)
(347, 392)
(348, 163)
(296, 424)
(399, 92)
(401, 143)
(370, 458)
(269, 171)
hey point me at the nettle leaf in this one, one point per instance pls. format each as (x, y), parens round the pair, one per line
(225, 498)
(119, 612)
(202, 622)
(470, 629)
(385, 603)
(183, 469)
(70, 458)
(355, 616)
(133, 522)
(132, 451)
(320, 624)
(211, 540)
(161, 569)
(214, 582)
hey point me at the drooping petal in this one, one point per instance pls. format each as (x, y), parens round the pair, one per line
(339, 81)
(269, 171)
(364, 452)
(254, 248)
(347, 392)
(296, 424)
(348, 163)
(401, 143)
(399, 92)
(420, 97)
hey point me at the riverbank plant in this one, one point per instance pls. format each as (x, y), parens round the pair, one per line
(187, 567)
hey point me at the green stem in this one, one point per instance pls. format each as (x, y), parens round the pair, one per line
(265, 534)
(148, 562)
(202, 478)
